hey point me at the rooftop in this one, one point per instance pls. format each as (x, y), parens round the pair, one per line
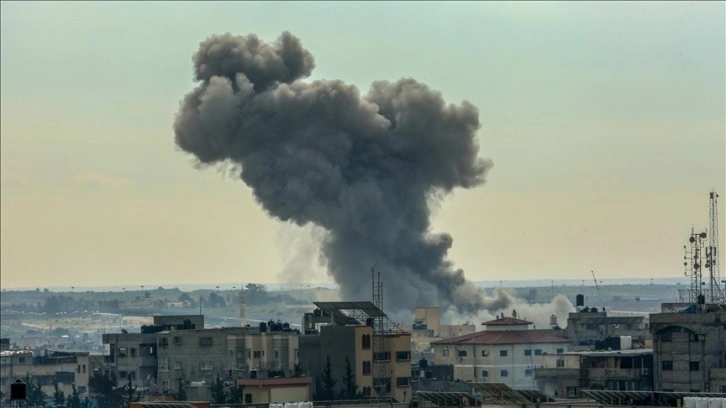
(507, 321)
(504, 337)
(272, 382)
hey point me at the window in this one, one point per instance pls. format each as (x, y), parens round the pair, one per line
(667, 365)
(560, 351)
(163, 364)
(403, 355)
(527, 352)
(177, 341)
(538, 352)
(484, 353)
(366, 341)
(83, 368)
(123, 352)
(694, 366)
(528, 372)
(446, 351)
(122, 374)
(82, 389)
(692, 337)
(163, 342)
(666, 337)
(382, 356)
(206, 366)
(21, 360)
(485, 373)
(504, 373)
(502, 353)
(462, 353)
(78, 369)
(257, 354)
(572, 392)
(403, 382)
(133, 352)
(249, 353)
(205, 341)
(277, 354)
(366, 368)
(248, 398)
(560, 363)
(177, 365)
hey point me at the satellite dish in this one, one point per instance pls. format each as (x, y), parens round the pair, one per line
(692, 239)
(703, 235)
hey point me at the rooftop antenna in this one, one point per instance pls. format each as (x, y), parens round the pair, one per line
(379, 345)
(692, 261)
(712, 261)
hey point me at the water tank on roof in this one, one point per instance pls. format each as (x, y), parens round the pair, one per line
(263, 327)
(580, 300)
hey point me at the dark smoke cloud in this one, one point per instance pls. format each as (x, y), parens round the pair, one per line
(362, 167)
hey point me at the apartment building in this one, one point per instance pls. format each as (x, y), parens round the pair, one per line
(383, 359)
(689, 350)
(507, 352)
(589, 324)
(63, 368)
(566, 375)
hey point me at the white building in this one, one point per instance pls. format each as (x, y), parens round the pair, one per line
(507, 352)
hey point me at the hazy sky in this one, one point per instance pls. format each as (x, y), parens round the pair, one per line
(605, 123)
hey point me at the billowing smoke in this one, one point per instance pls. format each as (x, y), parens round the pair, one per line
(537, 313)
(361, 167)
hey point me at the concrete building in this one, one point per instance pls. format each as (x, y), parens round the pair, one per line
(506, 352)
(566, 375)
(588, 325)
(427, 328)
(350, 337)
(689, 350)
(178, 347)
(275, 390)
(64, 368)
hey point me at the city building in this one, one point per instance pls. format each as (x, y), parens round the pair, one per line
(688, 349)
(589, 324)
(507, 352)
(275, 390)
(566, 375)
(350, 340)
(64, 368)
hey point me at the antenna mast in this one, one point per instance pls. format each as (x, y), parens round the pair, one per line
(712, 261)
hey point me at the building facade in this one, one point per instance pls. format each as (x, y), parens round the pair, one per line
(566, 375)
(64, 368)
(506, 352)
(689, 351)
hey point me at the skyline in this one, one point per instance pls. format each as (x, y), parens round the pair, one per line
(605, 124)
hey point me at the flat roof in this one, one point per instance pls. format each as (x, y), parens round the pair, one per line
(505, 337)
(272, 382)
(626, 352)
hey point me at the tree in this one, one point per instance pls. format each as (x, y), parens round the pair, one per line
(75, 401)
(350, 389)
(219, 394)
(329, 382)
(59, 397)
(103, 387)
(129, 394)
(181, 394)
(34, 395)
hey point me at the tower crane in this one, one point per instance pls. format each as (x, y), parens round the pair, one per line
(595, 279)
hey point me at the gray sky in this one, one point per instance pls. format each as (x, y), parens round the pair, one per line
(605, 123)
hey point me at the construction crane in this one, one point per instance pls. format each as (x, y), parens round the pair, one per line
(595, 279)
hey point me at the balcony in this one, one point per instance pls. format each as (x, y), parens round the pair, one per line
(563, 373)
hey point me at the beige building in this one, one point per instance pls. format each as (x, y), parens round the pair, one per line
(275, 390)
(506, 352)
(384, 359)
(65, 368)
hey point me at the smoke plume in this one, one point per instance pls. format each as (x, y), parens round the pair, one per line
(361, 167)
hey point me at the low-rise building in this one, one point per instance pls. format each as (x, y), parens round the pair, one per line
(275, 390)
(688, 349)
(566, 375)
(506, 352)
(64, 368)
